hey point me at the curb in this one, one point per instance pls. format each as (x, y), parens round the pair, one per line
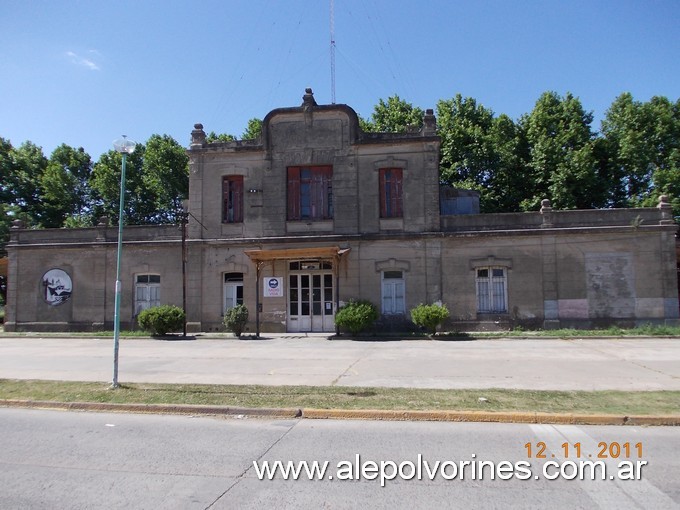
(180, 409)
(352, 414)
(491, 417)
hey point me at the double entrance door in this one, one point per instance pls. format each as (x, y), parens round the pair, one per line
(310, 302)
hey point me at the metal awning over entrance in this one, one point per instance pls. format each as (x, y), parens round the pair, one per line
(262, 257)
(325, 252)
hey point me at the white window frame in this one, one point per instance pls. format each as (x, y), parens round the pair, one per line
(147, 293)
(492, 289)
(393, 295)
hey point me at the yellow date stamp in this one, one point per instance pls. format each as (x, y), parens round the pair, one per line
(604, 450)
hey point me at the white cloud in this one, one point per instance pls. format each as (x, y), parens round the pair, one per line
(84, 61)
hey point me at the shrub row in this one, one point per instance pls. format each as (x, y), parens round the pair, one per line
(356, 316)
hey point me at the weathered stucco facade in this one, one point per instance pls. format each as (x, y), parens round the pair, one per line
(316, 212)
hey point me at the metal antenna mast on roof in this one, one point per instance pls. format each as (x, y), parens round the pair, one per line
(332, 51)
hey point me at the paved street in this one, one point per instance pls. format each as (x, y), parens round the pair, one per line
(540, 364)
(54, 459)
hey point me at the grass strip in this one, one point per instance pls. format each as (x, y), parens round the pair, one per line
(336, 397)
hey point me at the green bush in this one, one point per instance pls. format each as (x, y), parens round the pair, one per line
(429, 316)
(356, 316)
(236, 318)
(160, 320)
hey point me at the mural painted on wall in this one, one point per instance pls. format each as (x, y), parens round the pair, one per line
(57, 287)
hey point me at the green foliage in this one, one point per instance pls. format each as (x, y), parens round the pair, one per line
(236, 318)
(429, 316)
(160, 320)
(356, 316)
(562, 162)
(643, 149)
(551, 152)
(166, 177)
(65, 186)
(253, 130)
(393, 116)
(156, 181)
(213, 137)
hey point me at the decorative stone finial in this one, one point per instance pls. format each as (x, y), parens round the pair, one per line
(103, 221)
(546, 212)
(18, 224)
(429, 123)
(666, 210)
(198, 135)
(308, 99)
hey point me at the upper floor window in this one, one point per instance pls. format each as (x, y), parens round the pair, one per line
(232, 199)
(391, 186)
(492, 294)
(310, 193)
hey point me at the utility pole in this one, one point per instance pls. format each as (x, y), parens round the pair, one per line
(332, 52)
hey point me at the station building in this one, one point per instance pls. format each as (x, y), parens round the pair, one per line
(317, 212)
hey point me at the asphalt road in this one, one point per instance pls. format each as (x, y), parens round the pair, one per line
(69, 460)
(540, 364)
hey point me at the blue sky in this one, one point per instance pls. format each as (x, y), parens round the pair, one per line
(85, 72)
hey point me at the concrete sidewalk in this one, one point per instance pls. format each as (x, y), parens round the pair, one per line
(538, 364)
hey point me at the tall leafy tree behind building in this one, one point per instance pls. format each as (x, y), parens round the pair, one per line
(483, 152)
(551, 152)
(65, 188)
(562, 163)
(643, 142)
(156, 181)
(253, 129)
(393, 116)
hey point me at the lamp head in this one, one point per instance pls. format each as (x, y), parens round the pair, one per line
(123, 145)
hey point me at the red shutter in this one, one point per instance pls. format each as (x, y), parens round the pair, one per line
(391, 190)
(397, 190)
(383, 194)
(237, 197)
(225, 199)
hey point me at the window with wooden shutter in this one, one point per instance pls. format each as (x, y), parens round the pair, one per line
(391, 188)
(310, 193)
(232, 199)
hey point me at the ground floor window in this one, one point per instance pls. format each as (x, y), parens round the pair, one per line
(233, 290)
(492, 295)
(393, 291)
(147, 291)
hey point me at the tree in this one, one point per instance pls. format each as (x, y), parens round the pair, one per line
(253, 130)
(467, 157)
(213, 137)
(562, 163)
(644, 146)
(393, 116)
(25, 168)
(506, 187)
(105, 184)
(165, 177)
(157, 179)
(65, 187)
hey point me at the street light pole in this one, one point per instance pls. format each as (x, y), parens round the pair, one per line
(124, 147)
